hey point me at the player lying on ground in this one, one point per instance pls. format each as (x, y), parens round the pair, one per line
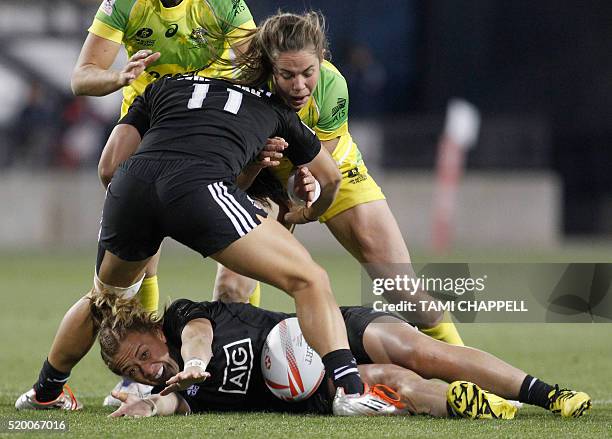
(197, 135)
(190, 351)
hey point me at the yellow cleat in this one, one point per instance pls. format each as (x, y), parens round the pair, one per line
(568, 403)
(467, 400)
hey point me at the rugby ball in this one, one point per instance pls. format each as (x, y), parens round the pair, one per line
(292, 370)
(293, 196)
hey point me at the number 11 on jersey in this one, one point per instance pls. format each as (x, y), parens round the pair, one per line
(234, 98)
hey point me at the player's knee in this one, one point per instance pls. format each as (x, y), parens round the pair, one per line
(230, 294)
(369, 246)
(420, 359)
(312, 279)
(229, 290)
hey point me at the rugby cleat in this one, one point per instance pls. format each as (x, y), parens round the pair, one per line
(467, 400)
(66, 401)
(568, 403)
(130, 387)
(379, 400)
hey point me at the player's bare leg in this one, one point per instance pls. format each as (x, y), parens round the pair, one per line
(76, 333)
(231, 286)
(370, 233)
(74, 338)
(388, 340)
(421, 396)
(270, 254)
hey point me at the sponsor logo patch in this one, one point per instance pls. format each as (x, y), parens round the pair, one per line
(239, 363)
(171, 30)
(193, 390)
(145, 32)
(238, 6)
(339, 110)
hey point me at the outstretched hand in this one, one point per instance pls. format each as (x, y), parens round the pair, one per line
(131, 406)
(184, 379)
(136, 65)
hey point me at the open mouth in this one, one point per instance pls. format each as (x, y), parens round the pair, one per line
(299, 100)
(160, 372)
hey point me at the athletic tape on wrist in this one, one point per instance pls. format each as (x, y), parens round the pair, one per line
(195, 362)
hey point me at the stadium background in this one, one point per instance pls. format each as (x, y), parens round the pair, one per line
(537, 185)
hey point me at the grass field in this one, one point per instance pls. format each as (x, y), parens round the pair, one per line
(36, 289)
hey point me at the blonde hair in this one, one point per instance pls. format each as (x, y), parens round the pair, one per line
(283, 32)
(115, 317)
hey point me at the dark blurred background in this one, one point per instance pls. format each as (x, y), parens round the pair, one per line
(540, 72)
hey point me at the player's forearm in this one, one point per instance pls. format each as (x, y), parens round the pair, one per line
(324, 169)
(196, 338)
(168, 405)
(121, 144)
(91, 80)
(327, 197)
(247, 176)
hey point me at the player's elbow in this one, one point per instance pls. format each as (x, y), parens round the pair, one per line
(105, 172)
(76, 84)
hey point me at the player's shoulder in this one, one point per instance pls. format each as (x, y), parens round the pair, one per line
(330, 81)
(330, 73)
(117, 7)
(186, 309)
(226, 8)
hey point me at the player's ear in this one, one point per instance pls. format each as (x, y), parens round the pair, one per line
(160, 334)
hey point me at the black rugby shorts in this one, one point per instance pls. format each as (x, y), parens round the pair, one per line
(149, 199)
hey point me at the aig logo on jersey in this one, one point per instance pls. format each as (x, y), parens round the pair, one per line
(239, 363)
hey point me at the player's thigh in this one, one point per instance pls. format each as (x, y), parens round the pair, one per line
(117, 272)
(370, 233)
(271, 254)
(129, 235)
(390, 340)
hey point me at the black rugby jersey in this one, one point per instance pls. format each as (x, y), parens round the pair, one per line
(236, 382)
(223, 124)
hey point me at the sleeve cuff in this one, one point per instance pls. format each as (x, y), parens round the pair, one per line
(103, 30)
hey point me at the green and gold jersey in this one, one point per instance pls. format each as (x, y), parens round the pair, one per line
(326, 112)
(179, 33)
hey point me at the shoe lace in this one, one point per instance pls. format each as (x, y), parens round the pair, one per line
(476, 404)
(561, 395)
(70, 394)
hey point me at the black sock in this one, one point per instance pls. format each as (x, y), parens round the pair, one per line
(341, 367)
(50, 383)
(535, 392)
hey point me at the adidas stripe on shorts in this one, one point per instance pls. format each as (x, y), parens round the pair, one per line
(150, 199)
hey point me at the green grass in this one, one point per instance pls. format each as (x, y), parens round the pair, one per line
(37, 288)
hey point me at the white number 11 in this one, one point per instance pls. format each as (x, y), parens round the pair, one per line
(234, 99)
